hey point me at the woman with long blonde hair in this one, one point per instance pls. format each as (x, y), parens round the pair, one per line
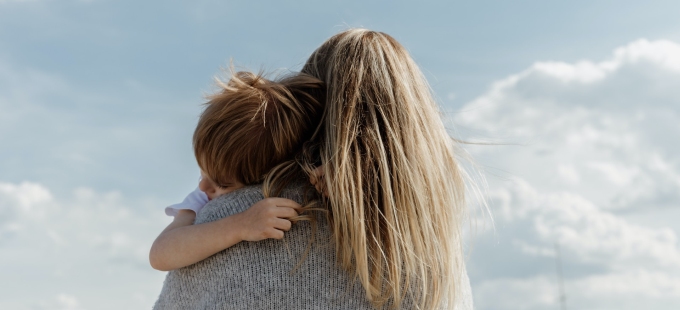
(394, 189)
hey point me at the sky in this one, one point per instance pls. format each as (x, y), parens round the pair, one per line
(576, 100)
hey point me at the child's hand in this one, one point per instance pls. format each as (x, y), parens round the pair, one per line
(268, 218)
(316, 178)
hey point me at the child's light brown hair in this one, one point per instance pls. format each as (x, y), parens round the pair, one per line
(254, 124)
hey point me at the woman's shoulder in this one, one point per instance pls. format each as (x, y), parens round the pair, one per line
(240, 200)
(230, 204)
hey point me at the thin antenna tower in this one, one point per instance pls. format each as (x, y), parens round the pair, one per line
(560, 280)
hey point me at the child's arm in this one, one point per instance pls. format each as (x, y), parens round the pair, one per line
(182, 244)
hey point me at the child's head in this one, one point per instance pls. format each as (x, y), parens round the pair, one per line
(254, 124)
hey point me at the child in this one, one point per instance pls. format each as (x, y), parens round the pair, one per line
(247, 129)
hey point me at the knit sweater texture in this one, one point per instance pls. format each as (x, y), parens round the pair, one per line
(262, 275)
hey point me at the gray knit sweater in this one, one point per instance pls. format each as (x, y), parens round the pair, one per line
(259, 275)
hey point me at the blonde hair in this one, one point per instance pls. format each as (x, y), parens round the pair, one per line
(253, 124)
(395, 190)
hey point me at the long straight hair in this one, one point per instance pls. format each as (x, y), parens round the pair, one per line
(395, 192)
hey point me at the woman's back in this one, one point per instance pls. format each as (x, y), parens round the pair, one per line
(262, 275)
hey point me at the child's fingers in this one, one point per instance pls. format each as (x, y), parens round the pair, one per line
(286, 212)
(283, 202)
(274, 233)
(282, 224)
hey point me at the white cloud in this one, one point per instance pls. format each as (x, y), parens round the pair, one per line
(594, 141)
(632, 290)
(533, 293)
(638, 283)
(662, 53)
(25, 200)
(593, 235)
(25, 196)
(568, 173)
(584, 72)
(617, 134)
(84, 245)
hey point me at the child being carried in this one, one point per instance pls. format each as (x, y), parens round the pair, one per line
(249, 127)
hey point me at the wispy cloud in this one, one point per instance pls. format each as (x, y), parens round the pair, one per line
(597, 144)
